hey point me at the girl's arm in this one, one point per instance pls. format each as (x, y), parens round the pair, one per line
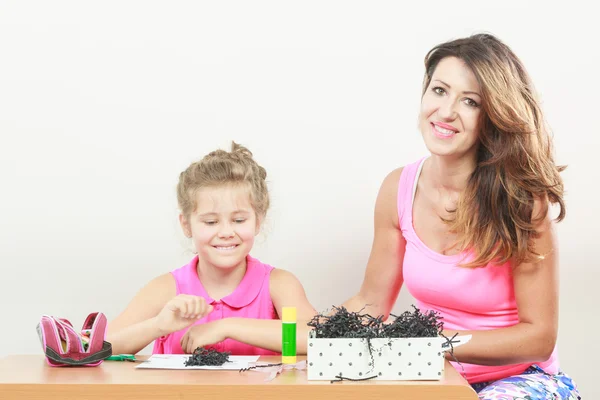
(154, 311)
(286, 291)
(136, 326)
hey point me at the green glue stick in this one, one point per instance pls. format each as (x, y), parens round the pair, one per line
(288, 335)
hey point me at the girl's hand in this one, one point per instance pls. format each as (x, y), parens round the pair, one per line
(181, 312)
(203, 335)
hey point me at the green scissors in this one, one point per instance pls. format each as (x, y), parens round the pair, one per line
(123, 357)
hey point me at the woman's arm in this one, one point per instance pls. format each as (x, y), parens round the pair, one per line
(383, 275)
(536, 292)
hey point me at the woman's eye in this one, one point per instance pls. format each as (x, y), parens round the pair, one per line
(471, 103)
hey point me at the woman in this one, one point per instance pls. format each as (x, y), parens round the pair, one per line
(468, 229)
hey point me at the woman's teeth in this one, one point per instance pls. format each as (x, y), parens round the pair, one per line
(443, 131)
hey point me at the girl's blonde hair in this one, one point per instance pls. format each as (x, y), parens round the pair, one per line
(219, 168)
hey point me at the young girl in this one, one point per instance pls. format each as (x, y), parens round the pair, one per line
(223, 298)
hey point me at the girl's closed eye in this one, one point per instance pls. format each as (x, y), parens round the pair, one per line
(239, 220)
(210, 222)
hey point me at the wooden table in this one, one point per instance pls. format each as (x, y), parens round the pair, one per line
(28, 377)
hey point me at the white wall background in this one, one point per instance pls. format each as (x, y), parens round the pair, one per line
(103, 104)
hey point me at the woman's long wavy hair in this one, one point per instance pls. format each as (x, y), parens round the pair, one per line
(515, 163)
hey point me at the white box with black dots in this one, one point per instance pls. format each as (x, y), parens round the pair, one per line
(388, 359)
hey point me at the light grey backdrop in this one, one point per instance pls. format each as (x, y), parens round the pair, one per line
(102, 104)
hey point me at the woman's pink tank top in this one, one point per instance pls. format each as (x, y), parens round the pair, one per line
(467, 299)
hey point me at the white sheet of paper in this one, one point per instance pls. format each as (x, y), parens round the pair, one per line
(177, 361)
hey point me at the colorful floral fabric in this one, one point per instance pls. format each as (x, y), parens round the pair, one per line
(533, 384)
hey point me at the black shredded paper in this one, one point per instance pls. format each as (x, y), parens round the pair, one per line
(208, 356)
